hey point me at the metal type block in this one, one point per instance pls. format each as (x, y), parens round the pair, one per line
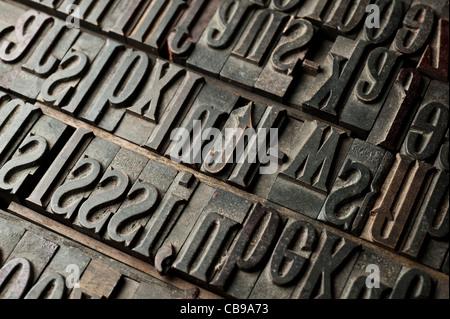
(246, 257)
(336, 77)
(117, 74)
(345, 18)
(227, 148)
(54, 43)
(154, 25)
(157, 291)
(158, 226)
(10, 235)
(17, 42)
(160, 175)
(48, 287)
(392, 13)
(286, 6)
(96, 70)
(16, 119)
(81, 181)
(89, 12)
(442, 158)
(21, 173)
(433, 252)
(335, 17)
(434, 61)
(430, 124)
(220, 36)
(419, 27)
(245, 171)
(59, 169)
(105, 200)
(280, 70)
(157, 93)
(344, 207)
(398, 109)
(366, 99)
(362, 284)
(118, 90)
(441, 290)
(161, 105)
(427, 239)
(140, 204)
(211, 236)
(400, 194)
(197, 261)
(98, 281)
(262, 185)
(288, 261)
(249, 55)
(58, 89)
(187, 220)
(290, 194)
(329, 268)
(211, 107)
(37, 250)
(189, 28)
(69, 263)
(13, 287)
(307, 171)
(371, 197)
(174, 112)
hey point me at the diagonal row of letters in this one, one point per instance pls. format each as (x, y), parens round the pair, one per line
(362, 166)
